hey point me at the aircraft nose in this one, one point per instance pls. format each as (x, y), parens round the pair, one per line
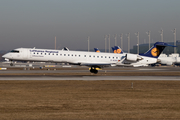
(5, 56)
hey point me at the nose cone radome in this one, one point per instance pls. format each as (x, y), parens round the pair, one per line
(5, 56)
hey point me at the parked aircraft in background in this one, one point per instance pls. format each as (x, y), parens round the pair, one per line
(163, 59)
(169, 60)
(117, 49)
(92, 59)
(96, 50)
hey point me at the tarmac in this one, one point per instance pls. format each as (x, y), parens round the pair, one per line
(94, 78)
(11, 73)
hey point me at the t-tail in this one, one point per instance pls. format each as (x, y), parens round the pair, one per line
(156, 49)
(117, 49)
(96, 50)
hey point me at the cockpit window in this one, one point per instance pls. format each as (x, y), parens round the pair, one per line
(15, 51)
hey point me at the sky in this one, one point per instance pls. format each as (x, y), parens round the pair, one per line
(35, 23)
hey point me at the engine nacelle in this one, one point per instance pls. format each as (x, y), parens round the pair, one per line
(131, 57)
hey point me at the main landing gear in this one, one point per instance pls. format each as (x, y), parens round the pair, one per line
(93, 70)
(11, 64)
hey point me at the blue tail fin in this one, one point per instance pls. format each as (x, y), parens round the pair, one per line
(117, 49)
(113, 49)
(156, 49)
(96, 50)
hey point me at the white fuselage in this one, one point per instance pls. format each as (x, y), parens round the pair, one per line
(74, 57)
(169, 60)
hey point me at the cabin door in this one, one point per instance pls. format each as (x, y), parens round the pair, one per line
(25, 53)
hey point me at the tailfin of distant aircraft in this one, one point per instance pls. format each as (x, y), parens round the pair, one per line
(117, 49)
(113, 49)
(65, 49)
(96, 50)
(156, 49)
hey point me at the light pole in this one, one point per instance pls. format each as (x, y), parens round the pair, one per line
(88, 43)
(55, 43)
(109, 43)
(161, 33)
(121, 36)
(149, 35)
(115, 39)
(128, 36)
(174, 32)
(105, 38)
(137, 35)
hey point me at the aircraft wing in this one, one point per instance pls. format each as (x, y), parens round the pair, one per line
(98, 65)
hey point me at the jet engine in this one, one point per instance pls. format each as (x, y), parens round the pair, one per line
(133, 57)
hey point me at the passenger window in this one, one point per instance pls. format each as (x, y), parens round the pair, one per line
(89, 55)
(109, 57)
(84, 55)
(64, 54)
(101, 56)
(97, 56)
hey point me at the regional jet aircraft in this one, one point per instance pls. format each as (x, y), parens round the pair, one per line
(92, 59)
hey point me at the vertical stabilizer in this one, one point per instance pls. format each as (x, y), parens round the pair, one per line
(156, 49)
(96, 50)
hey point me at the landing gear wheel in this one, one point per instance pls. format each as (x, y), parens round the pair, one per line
(94, 71)
(11, 64)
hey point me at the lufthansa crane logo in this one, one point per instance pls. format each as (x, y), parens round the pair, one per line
(155, 52)
(97, 51)
(117, 51)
